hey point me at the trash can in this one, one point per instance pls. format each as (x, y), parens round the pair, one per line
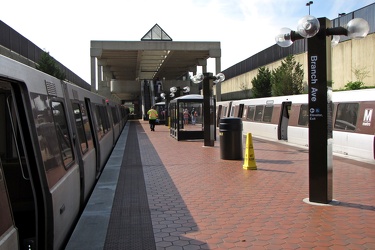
(230, 130)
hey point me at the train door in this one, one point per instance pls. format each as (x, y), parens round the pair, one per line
(8, 231)
(282, 132)
(91, 118)
(13, 159)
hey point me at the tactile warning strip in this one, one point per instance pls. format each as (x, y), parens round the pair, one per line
(130, 225)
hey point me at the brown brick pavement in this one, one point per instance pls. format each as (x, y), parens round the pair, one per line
(203, 202)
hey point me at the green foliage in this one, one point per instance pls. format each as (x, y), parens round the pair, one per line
(262, 83)
(354, 85)
(360, 75)
(288, 78)
(48, 65)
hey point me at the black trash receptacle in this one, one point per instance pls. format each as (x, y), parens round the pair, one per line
(230, 130)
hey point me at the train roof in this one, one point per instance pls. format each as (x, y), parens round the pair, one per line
(354, 95)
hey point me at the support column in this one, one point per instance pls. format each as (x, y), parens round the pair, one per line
(218, 85)
(208, 111)
(320, 122)
(93, 74)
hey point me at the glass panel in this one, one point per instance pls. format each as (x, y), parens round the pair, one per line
(191, 116)
(346, 117)
(267, 113)
(63, 135)
(250, 113)
(99, 123)
(303, 119)
(44, 116)
(114, 115)
(80, 127)
(225, 109)
(258, 113)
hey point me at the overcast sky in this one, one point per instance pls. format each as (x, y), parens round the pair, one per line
(244, 27)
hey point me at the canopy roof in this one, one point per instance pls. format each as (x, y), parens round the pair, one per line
(156, 56)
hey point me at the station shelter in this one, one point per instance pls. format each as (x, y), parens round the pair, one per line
(186, 117)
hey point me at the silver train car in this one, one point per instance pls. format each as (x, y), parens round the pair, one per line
(55, 139)
(286, 118)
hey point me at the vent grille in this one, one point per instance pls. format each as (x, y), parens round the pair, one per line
(51, 89)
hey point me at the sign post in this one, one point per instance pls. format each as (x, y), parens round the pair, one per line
(320, 115)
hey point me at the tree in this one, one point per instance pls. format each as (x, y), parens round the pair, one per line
(48, 65)
(288, 78)
(360, 75)
(262, 86)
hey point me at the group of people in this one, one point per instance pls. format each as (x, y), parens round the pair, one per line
(193, 116)
(153, 116)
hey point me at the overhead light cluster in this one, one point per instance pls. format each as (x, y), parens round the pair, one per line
(309, 26)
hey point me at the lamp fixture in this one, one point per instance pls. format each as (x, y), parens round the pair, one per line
(186, 89)
(358, 28)
(200, 77)
(309, 26)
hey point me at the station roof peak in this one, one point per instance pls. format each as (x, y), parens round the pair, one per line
(156, 33)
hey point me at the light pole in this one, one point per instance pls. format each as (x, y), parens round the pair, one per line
(308, 4)
(320, 114)
(209, 107)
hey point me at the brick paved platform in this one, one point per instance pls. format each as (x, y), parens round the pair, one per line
(198, 201)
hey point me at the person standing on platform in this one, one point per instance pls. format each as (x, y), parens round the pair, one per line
(186, 117)
(152, 116)
(193, 116)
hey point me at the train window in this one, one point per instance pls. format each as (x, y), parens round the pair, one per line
(80, 127)
(224, 114)
(346, 116)
(106, 123)
(258, 113)
(268, 109)
(103, 125)
(114, 115)
(250, 113)
(303, 119)
(232, 111)
(62, 130)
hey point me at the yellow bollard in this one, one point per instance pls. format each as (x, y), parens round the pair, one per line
(249, 161)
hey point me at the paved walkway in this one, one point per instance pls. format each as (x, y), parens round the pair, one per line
(199, 201)
(160, 193)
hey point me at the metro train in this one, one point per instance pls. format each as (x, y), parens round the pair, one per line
(55, 139)
(286, 119)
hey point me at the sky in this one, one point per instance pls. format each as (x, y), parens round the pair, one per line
(243, 27)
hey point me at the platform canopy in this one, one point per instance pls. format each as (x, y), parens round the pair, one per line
(156, 56)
